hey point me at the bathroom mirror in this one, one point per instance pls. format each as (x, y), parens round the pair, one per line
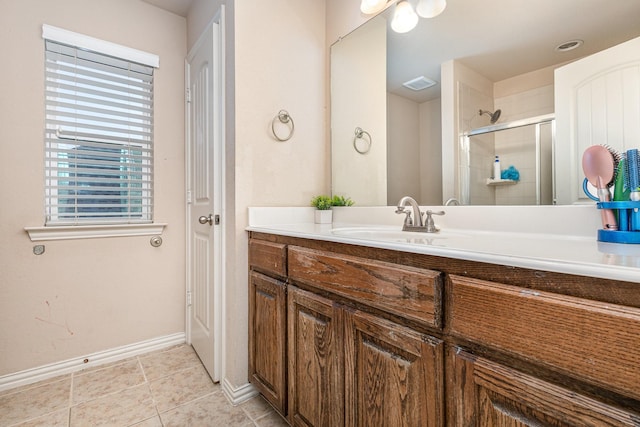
(389, 140)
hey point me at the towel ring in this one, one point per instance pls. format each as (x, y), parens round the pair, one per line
(359, 134)
(284, 117)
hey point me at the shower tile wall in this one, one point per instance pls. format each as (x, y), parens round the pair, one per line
(481, 150)
(517, 146)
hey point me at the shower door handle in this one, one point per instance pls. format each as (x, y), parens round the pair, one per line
(206, 219)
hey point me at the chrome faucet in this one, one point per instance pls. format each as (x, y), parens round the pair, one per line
(428, 226)
(408, 222)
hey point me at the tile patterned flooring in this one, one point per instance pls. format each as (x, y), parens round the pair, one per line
(165, 388)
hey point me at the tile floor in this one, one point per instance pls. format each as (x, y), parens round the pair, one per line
(164, 388)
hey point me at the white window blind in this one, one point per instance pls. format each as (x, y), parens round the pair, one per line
(98, 138)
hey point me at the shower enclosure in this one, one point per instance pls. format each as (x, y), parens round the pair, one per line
(527, 145)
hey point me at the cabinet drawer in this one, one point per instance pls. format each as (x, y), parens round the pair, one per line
(593, 341)
(268, 257)
(488, 393)
(409, 292)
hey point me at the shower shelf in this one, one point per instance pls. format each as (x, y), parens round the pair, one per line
(499, 182)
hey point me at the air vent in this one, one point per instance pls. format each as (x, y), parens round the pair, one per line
(419, 83)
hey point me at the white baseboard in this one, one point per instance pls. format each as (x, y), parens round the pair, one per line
(237, 395)
(40, 373)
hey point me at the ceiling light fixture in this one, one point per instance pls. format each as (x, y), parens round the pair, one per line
(404, 18)
(431, 8)
(369, 7)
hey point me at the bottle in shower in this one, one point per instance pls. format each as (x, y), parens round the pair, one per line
(496, 168)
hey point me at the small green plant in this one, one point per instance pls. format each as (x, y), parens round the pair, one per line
(321, 202)
(341, 201)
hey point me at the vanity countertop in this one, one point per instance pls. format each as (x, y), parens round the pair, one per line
(576, 252)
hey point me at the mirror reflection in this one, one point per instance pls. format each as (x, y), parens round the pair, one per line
(476, 59)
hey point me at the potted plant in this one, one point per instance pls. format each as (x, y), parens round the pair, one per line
(341, 201)
(323, 205)
(323, 214)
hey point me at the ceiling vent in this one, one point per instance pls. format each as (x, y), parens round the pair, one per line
(419, 83)
(570, 45)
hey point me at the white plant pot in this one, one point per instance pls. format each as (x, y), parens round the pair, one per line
(324, 216)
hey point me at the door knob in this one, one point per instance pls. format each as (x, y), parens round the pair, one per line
(206, 219)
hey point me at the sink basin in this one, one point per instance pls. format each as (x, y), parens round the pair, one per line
(393, 234)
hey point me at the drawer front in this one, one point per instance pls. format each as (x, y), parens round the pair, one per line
(589, 340)
(268, 257)
(488, 393)
(409, 292)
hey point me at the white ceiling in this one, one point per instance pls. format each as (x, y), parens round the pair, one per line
(498, 38)
(179, 7)
(505, 38)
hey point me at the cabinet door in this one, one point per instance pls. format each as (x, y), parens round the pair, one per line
(267, 338)
(394, 375)
(316, 383)
(489, 394)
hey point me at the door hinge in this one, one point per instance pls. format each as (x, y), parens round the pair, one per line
(188, 298)
(188, 94)
(189, 197)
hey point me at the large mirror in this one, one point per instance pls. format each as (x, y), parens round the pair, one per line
(482, 58)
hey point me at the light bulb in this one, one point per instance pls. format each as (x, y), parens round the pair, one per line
(430, 8)
(369, 7)
(404, 18)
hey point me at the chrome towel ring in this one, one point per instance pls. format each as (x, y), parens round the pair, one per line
(284, 117)
(359, 136)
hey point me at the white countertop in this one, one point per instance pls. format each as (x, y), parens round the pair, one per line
(558, 240)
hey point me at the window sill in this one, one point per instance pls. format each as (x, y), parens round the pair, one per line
(66, 232)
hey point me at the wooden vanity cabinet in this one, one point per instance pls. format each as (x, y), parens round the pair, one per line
(490, 394)
(348, 366)
(316, 362)
(393, 374)
(577, 341)
(378, 337)
(268, 322)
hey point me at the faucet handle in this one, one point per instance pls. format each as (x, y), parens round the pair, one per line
(429, 224)
(407, 219)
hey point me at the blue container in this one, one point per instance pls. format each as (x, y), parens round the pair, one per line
(628, 214)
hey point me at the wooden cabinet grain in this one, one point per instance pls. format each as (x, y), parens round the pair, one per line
(378, 337)
(486, 393)
(348, 367)
(315, 348)
(267, 338)
(592, 341)
(394, 375)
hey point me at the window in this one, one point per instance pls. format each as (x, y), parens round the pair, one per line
(98, 137)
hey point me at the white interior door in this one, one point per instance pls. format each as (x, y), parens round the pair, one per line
(597, 101)
(204, 199)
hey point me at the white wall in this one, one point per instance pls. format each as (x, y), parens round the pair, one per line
(430, 116)
(414, 154)
(275, 59)
(359, 100)
(464, 91)
(85, 296)
(403, 154)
